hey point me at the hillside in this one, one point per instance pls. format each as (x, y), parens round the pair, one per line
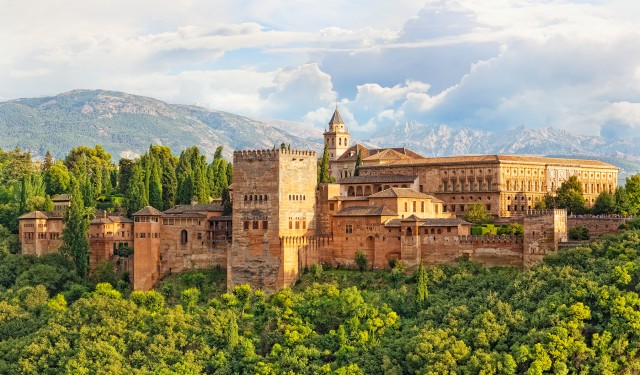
(127, 124)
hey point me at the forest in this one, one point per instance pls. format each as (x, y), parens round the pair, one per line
(576, 312)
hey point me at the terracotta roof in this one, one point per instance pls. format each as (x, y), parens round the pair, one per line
(366, 211)
(366, 152)
(352, 153)
(494, 159)
(336, 119)
(401, 193)
(61, 197)
(38, 215)
(378, 178)
(110, 219)
(184, 214)
(148, 211)
(388, 154)
(202, 207)
(450, 222)
(220, 218)
(351, 198)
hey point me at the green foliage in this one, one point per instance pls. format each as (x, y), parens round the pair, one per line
(478, 214)
(511, 229)
(74, 233)
(361, 260)
(358, 164)
(323, 170)
(578, 233)
(421, 288)
(605, 204)
(570, 196)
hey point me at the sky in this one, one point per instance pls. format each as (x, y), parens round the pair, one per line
(490, 64)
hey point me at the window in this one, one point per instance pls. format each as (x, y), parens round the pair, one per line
(199, 236)
(421, 206)
(405, 207)
(255, 224)
(461, 208)
(245, 225)
(331, 208)
(183, 236)
(414, 206)
(348, 228)
(448, 229)
(265, 224)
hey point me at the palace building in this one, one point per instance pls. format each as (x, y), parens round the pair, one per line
(401, 206)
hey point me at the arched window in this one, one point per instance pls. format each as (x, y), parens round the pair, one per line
(183, 236)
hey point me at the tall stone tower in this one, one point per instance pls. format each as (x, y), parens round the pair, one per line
(337, 139)
(274, 199)
(146, 242)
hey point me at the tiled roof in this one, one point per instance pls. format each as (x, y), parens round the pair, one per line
(366, 211)
(184, 214)
(110, 220)
(148, 211)
(351, 198)
(220, 218)
(449, 222)
(388, 154)
(38, 215)
(377, 179)
(494, 159)
(61, 197)
(401, 193)
(336, 119)
(352, 153)
(203, 207)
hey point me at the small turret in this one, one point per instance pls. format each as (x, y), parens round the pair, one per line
(337, 139)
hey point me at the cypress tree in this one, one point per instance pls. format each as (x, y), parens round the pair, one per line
(229, 174)
(74, 233)
(324, 166)
(226, 202)
(155, 184)
(135, 198)
(48, 162)
(421, 288)
(358, 164)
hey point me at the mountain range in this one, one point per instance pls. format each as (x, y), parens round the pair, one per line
(125, 125)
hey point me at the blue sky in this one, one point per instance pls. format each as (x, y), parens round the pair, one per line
(490, 64)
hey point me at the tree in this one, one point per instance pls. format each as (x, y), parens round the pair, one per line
(57, 179)
(135, 198)
(361, 260)
(421, 288)
(605, 204)
(155, 184)
(623, 204)
(578, 233)
(74, 233)
(632, 188)
(570, 196)
(323, 172)
(226, 202)
(358, 164)
(477, 214)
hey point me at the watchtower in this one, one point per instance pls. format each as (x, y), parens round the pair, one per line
(274, 201)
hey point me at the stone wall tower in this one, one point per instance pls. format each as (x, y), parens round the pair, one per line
(274, 202)
(146, 244)
(337, 138)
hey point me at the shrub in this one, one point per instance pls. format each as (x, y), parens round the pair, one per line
(361, 260)
(578, 233)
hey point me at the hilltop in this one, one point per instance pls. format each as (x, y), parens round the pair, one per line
(125, 125)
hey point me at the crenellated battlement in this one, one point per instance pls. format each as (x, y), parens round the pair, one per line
(269, 154)
(552, 211)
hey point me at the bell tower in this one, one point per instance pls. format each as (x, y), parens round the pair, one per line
(337, 139)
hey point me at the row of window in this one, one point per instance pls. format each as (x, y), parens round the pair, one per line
(340, 141)
(255, 224)
(147, 235)
(297, 197)
(41, 236)
(145, 219)
(464, 185)
(256, 197)
(182, 221)
(299, 223)
(348, 229)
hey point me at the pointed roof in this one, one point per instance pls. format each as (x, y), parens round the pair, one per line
(388, 154)
(336, 119)
(148, 211)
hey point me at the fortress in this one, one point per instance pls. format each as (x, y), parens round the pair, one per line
(400, 206)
